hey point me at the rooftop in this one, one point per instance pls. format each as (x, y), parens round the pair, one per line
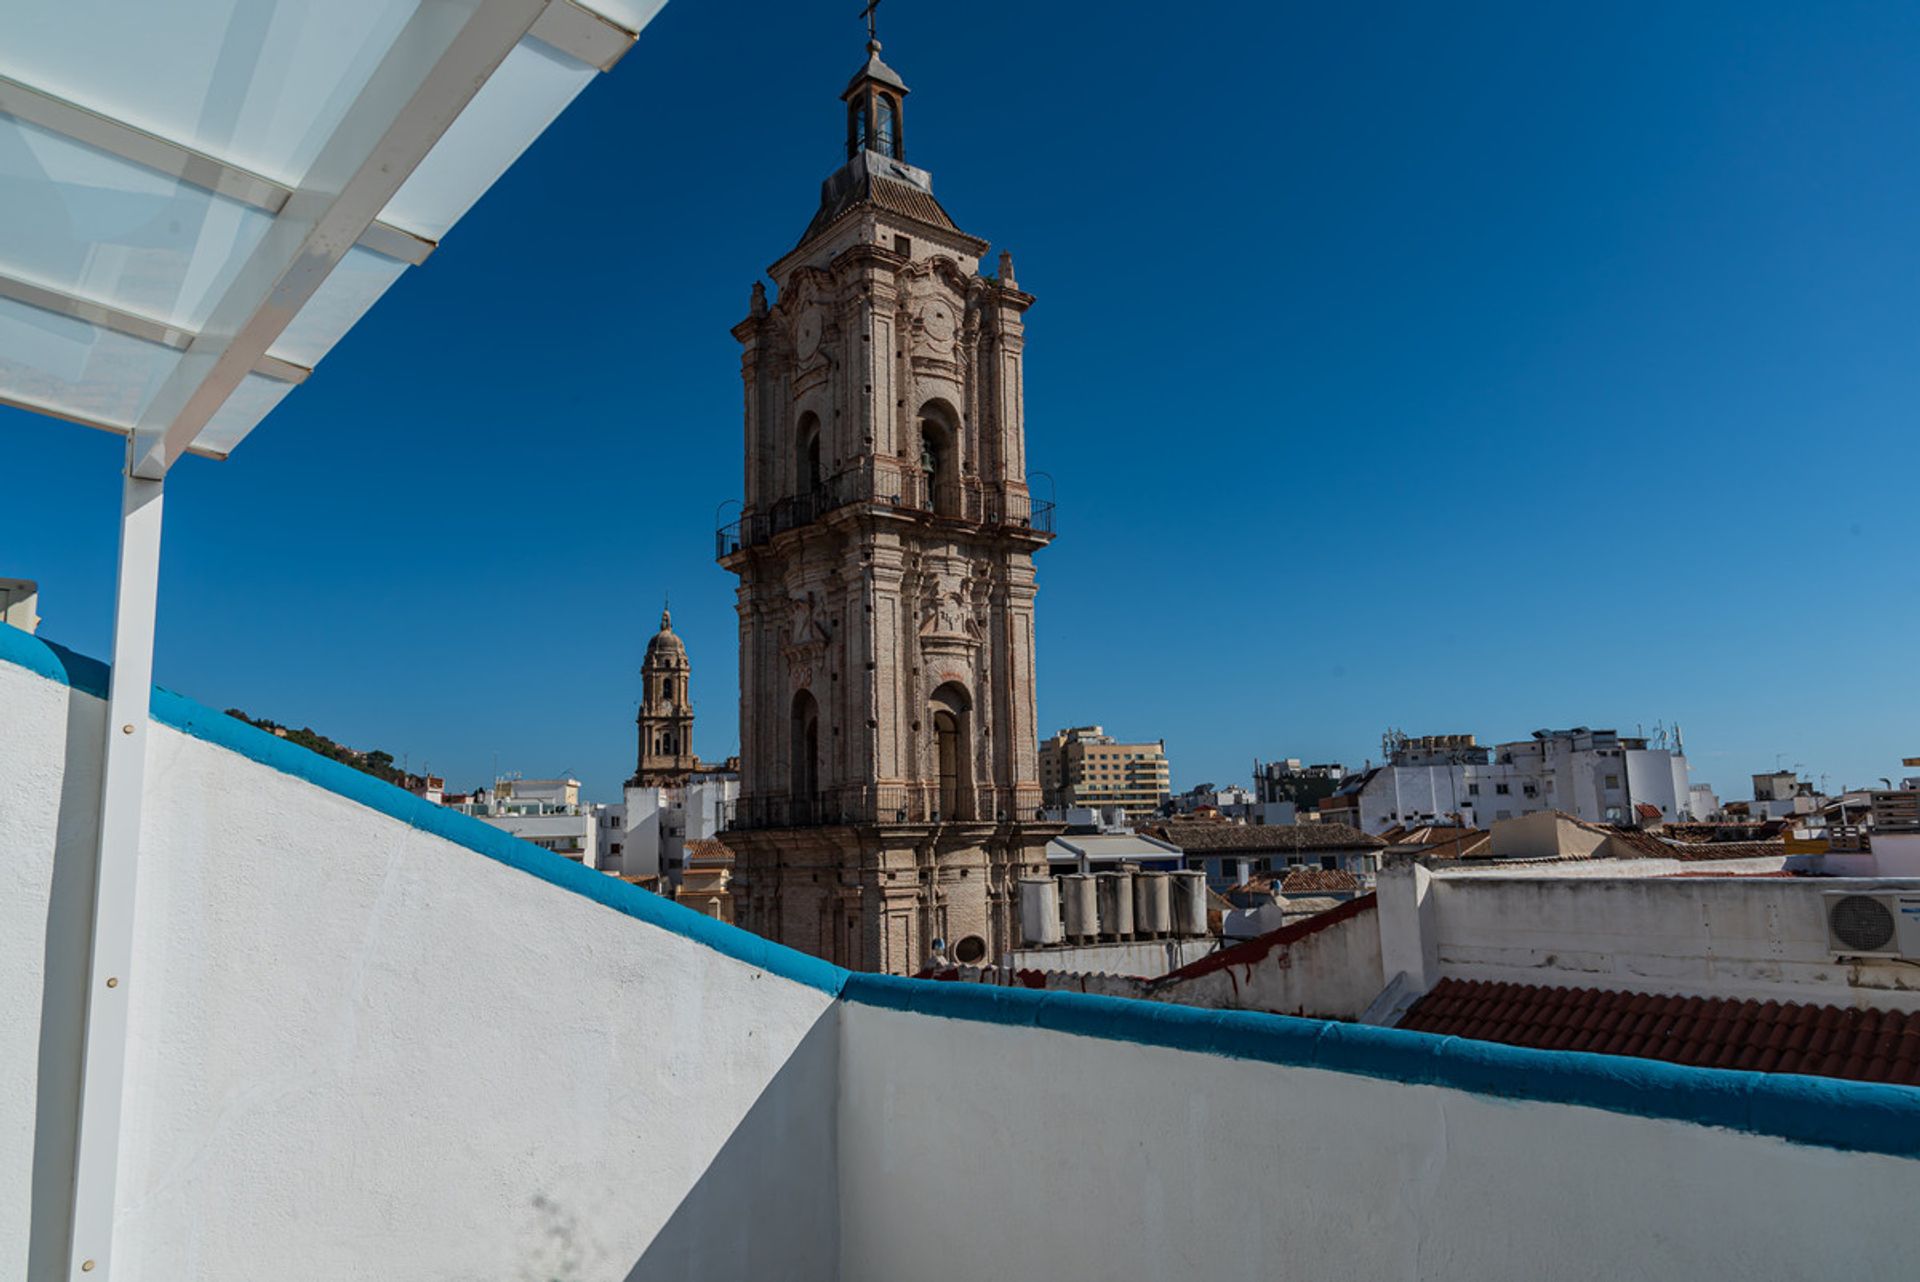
(1762, 1036)
(1199, 837)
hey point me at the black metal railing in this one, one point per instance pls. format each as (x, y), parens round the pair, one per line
(882, 804)
(943, 501)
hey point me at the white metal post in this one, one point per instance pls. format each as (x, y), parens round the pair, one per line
(110, 973)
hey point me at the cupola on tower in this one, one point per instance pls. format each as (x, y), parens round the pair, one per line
(890, 792)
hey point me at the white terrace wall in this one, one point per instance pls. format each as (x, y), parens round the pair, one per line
(1328, 969)
(1740, 937)
(979, 1150)
(361, 1051)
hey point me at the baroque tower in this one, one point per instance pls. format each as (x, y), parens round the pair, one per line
(890, 786)
(666, 711)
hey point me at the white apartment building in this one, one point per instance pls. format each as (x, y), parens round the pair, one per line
(1782, 794)
(546, 812)
(648, 834)
(1596, 775)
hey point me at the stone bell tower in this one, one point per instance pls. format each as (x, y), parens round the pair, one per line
(890, 785)
(665, 720)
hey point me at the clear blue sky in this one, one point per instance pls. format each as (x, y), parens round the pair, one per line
(1450, 367)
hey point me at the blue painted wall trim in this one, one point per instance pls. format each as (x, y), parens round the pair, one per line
(57, 663)
(1826, 1112)
(1865, 1117)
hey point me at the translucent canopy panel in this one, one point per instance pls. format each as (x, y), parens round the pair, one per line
(204, 196)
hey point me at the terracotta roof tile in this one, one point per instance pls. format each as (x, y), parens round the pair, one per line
(1314, 881)
(1705, 1032)
(1197, 836)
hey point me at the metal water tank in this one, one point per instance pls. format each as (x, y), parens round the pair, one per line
(1114, 893)
(1152, 906)
(1078, 897)
(1039, 911)
(1189, 903)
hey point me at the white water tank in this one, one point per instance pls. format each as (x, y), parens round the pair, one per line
(1039, 911)
(1114, 893)
(1189, 902)
(1152, 906)
(1082, 908)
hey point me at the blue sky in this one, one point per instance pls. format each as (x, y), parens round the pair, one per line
(1456, 368)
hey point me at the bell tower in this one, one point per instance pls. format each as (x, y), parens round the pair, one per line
(890, 783)
(666, 711)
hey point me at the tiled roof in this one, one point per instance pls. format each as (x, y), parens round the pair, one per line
(709, 850)
(1724, 831)
(1705, 1032)
(1427, 844)
(1314, 881)
(1655, 844)
(885, 194)
(1200, 836)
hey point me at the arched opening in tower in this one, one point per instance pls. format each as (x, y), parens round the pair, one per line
(807, 467)
(951, 709)
(804, 783)
(939, 459)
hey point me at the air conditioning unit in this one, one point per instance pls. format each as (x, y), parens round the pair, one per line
(1873, 923)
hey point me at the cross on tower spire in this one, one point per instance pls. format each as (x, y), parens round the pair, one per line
(870, 14)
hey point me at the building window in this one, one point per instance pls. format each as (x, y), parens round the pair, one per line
(1613, 781)
(1502, 789)
(1473, 790)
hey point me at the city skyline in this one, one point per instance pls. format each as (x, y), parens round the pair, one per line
(1657, 300)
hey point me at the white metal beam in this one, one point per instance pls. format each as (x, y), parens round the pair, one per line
(110, 973)
(438, 62)
(385, 134)
(583, 35)
(117, 138)
(179, 339)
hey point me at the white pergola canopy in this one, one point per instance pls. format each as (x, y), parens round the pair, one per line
(198, 199)
(203, 196)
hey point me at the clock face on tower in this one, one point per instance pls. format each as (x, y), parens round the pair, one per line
(936, 320)
(806, 334)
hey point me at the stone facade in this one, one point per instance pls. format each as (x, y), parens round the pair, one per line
(890, 787)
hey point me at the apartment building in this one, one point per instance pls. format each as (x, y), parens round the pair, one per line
(1085, 766)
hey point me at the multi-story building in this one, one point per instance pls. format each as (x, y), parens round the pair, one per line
(1288, 782)
(1596, 775)
(546, 812)
(1782, 794)
(889, 788)
(1085, 766)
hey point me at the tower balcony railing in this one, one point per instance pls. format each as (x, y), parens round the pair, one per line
(885, 486)
(882, 804)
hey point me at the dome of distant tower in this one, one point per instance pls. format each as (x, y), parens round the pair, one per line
(665, 645)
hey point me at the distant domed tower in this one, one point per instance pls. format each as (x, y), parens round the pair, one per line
(666, 711)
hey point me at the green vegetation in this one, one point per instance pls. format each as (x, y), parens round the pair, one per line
(376, 763)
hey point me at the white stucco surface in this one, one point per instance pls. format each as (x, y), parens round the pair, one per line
(359, 1051)
(363, 1051)
(1332, 973)
(1050, 1155)
(1758, 937)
